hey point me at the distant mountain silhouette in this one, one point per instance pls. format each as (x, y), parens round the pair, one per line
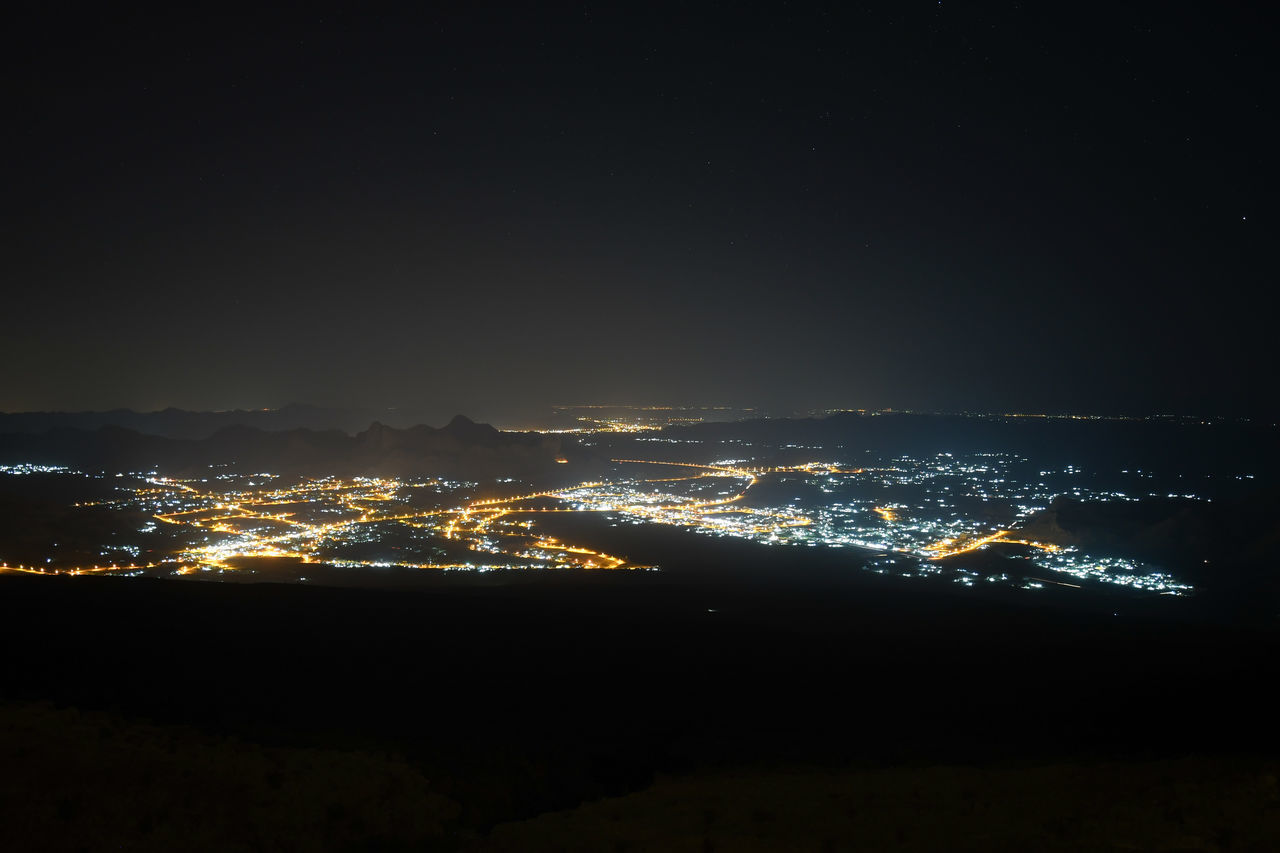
(461, 450)
(465, 429)
(179, 423)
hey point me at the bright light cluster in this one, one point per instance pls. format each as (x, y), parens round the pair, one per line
(927, 516)
(27, 468)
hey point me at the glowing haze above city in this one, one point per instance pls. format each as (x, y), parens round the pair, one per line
(920, 206)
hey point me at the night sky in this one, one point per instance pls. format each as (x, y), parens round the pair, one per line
(1034, 207)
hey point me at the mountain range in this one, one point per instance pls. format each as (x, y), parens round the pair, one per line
(181, 423)
(463, 449)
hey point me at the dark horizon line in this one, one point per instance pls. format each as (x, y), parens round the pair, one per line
(759, 412)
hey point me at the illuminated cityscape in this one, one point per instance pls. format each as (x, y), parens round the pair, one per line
(546, 427)
(908, 516)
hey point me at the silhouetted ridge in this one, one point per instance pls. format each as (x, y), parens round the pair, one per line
(466, 429)
(179, 423)
(462, 450)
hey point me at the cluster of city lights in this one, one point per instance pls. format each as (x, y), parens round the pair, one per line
(915, 516)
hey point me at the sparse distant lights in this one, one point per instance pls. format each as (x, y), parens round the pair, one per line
(25, 468)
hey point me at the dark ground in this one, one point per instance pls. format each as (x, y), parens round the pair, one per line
(505, 698)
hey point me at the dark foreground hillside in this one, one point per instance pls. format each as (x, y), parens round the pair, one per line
(276, 717)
